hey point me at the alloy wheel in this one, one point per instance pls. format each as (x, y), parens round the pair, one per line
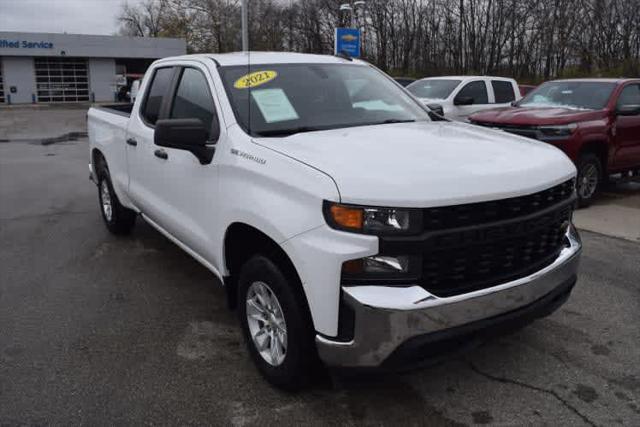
(266, 323)
(588, 181)
(105, 197)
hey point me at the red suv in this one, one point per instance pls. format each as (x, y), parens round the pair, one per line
(596, 122)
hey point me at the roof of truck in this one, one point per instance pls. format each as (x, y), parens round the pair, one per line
(598, 79)
(242, 58)
(465, 78)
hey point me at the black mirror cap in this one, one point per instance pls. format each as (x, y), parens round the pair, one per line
(186, 134)
(463, 100)
(628, 110)
(180, 133)
(437, 109)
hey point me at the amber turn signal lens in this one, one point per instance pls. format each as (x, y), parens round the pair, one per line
(347, 217)
(354, 266)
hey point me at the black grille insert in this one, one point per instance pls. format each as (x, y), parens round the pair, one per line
(481, 213)
(475, 246)
(465, 268)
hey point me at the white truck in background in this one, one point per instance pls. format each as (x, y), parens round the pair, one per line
(348, 224)
(457, 97)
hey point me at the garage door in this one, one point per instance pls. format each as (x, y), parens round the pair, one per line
(1, 84)
(62, 79)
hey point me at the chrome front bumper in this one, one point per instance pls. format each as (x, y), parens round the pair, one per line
(386, 316)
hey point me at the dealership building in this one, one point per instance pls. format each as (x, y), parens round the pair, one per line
(57, 68)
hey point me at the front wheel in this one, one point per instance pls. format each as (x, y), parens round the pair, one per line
(276, 324)
(589, 178)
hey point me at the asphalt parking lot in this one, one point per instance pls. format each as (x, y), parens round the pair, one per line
(96, 329)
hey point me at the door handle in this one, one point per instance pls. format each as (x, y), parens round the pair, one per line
(132, 142)
(161, 154)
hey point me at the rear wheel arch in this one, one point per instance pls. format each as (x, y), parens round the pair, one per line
(117, 218)
(97, 159)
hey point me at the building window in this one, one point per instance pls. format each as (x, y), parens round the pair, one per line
(62, 79)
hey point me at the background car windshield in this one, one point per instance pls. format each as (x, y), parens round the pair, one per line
(433, 88)
(281, 99)
(577, 95)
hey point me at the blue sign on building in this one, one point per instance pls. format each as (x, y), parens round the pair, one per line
(348, 41)
(24, 44)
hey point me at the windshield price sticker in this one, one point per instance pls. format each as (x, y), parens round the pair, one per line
(254, 79)
(274, 105)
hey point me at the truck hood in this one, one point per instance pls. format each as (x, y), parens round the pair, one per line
(426, 164)
(534, 116)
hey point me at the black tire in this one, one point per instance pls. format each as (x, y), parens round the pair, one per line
(121, 220)
(589, 178)
(300, 358)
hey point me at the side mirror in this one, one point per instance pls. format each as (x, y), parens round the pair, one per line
(628, 110)
(184, 134)
(436, 108)
(463, 100)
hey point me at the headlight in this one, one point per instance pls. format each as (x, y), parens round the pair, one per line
(557, 131)
(372, 220)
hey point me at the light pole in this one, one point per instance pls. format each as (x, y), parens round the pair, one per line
(362, 21)
(245, 25)
(347, 7)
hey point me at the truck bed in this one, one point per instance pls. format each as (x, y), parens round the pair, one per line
(107, 128)
(121, 109)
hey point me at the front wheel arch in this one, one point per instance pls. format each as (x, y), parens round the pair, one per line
(241, 242)
(590, 178)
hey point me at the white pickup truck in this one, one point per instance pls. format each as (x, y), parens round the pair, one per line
(347, 225)
(457, 97)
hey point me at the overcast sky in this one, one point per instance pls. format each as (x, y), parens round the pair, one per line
(57, 16)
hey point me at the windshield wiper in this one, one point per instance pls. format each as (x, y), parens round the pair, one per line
(396, 121)
(386, 122)
(300, 129)
(287, 132)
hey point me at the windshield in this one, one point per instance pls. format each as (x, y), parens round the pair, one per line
(433, 88)
(575, 95)
(283, 99)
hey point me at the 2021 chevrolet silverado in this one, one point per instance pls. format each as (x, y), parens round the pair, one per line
(596, 122)
(343, 221)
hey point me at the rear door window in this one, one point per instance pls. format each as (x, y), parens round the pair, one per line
(476, 90)
(158, 89)
(503, 91)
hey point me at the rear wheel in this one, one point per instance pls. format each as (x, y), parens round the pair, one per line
(589, 178)
(275, 323)
(117, 218)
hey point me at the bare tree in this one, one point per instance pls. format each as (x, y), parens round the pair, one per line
(529, 40)
(144, 20)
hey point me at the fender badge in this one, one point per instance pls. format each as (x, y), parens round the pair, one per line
(248, 156)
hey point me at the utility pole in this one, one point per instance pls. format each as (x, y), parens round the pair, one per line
(245, 25)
